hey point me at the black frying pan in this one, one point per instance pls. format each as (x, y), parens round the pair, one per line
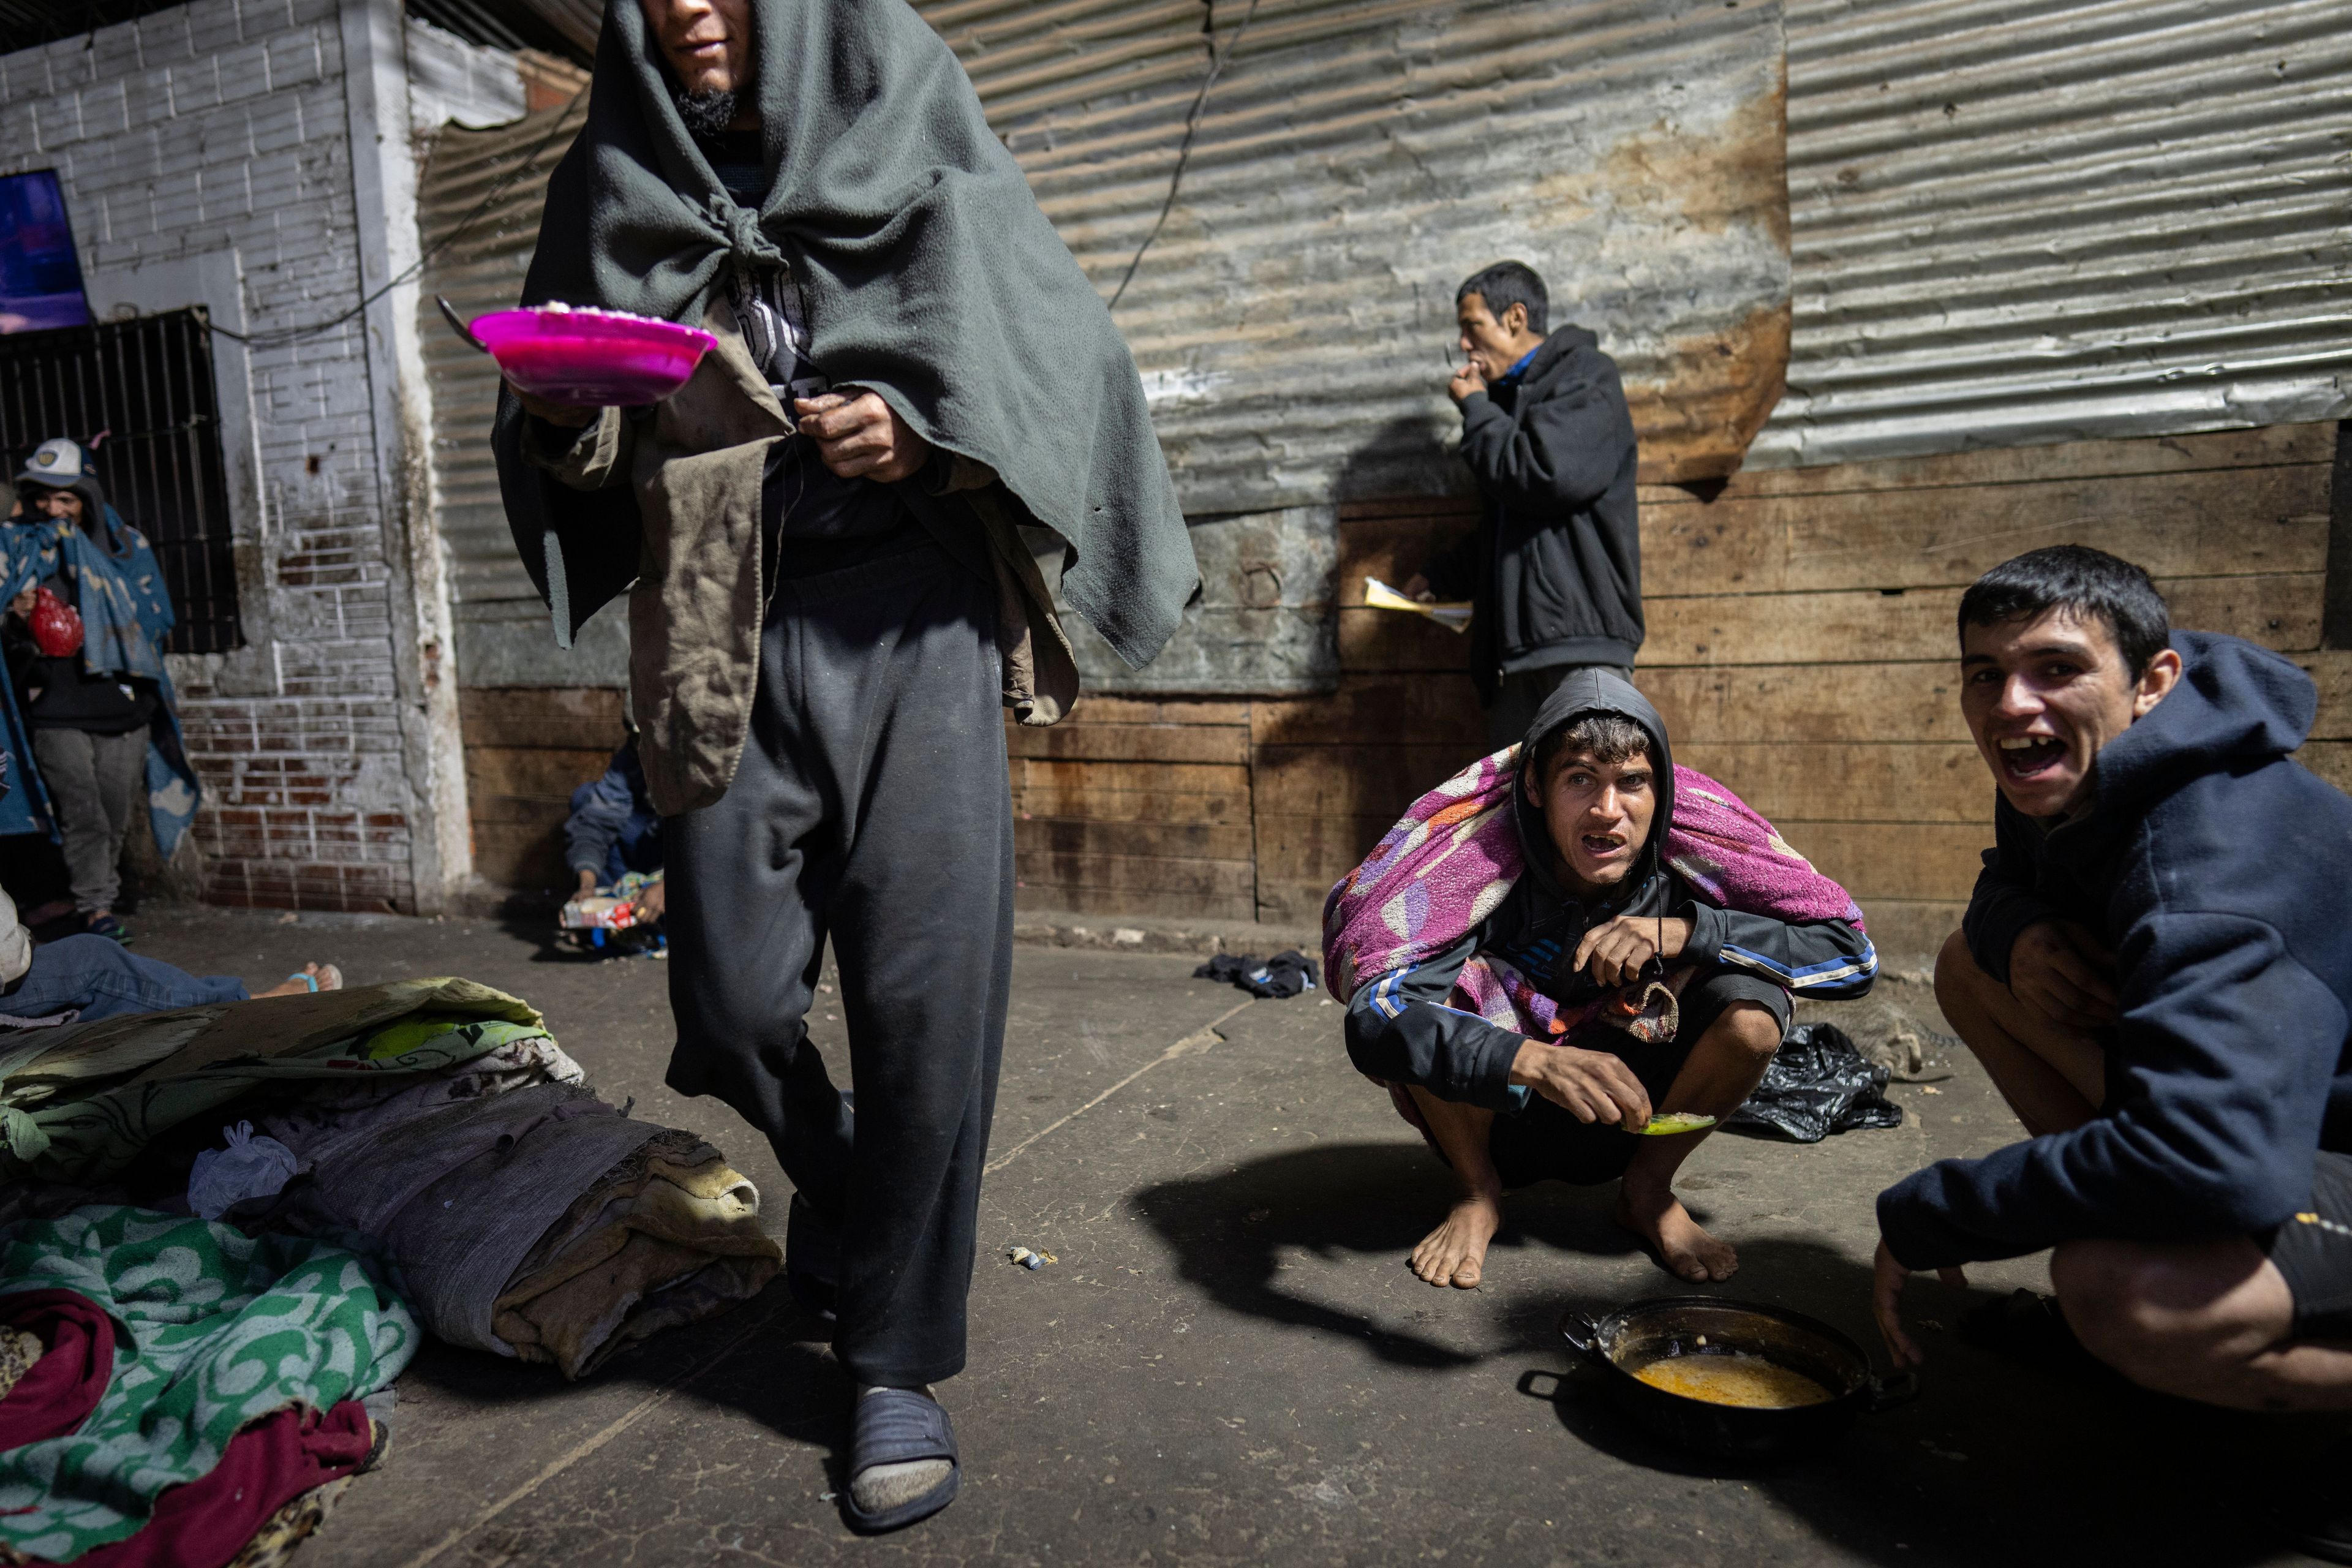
(1643, 1332)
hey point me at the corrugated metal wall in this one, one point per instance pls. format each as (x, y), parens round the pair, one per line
(1295, 319)
(502, 628)
(2021, 221)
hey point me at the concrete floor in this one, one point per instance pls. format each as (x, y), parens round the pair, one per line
(1231, 1362)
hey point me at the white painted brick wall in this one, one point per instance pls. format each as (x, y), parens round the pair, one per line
(221, 126)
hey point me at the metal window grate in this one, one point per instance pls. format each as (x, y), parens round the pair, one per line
(142, 391)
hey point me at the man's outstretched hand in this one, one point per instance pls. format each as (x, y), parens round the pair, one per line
(1593, 1086)
(1887, 1275)
(861, 437)
(2060, 971)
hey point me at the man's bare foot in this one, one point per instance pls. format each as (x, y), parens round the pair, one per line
(328, 976)
(1455, 1252)
(1685, 1249)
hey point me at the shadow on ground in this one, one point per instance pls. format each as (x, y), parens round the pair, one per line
(1229, 1231)
(1997, 1461)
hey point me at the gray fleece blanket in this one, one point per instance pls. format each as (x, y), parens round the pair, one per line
(930, 277)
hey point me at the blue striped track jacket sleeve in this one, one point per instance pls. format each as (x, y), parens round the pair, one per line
(1818, 961)
(1401, 1031)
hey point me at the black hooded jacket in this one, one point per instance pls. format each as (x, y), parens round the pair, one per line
(1555, 567)
(2213, 867)
(1399, 1029)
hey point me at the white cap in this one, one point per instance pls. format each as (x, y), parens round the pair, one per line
(58, 463)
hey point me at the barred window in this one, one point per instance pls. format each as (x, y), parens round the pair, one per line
(139, 396)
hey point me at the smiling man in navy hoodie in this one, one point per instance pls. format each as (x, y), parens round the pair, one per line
(2157, 970)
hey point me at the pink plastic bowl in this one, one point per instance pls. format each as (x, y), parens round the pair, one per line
(592, 359)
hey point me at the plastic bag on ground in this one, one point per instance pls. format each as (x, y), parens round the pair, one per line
(1819, 1084)
(249, 1167)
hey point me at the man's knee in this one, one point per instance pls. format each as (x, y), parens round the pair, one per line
(1749, 1028)
(1959, 979)
(2146, 1311)
(1970, 999)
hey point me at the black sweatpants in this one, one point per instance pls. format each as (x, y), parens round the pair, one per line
(872, 806)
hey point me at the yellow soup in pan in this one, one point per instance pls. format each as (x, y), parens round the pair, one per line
(1733, 1377)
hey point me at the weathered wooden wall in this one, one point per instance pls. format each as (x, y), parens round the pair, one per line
(1801, 644)
(527, 749)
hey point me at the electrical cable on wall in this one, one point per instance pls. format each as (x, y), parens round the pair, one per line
(1217, 57)
(284, 336)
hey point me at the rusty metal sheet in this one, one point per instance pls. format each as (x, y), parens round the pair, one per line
(1358, 159)
(1264, 624)
(2019, 221)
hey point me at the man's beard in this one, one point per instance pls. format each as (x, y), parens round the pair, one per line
(706, 114)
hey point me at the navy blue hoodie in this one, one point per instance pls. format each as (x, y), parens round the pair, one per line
(2215, 869)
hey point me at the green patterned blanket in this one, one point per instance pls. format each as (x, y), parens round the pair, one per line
(214, 1330)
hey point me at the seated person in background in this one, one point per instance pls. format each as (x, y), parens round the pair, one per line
(1595, 908)
(94, 977)
(613, 829)
(2157, 970)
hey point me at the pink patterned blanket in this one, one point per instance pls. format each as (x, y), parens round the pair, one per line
(1453, 859)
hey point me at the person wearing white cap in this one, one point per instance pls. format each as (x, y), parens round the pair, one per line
(91, 706)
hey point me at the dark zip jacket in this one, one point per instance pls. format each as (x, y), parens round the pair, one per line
(2214, 868)
(1399, 1029)
(1555, 567)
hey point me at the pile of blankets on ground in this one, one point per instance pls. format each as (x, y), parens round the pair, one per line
(422, 1159)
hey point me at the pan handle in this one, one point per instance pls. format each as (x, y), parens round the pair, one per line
(1886, 1393)
(458, 323)
(1573, 1323)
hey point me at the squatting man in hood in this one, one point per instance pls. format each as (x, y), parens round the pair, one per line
(2156, 968)
(830, 602)
(1595, 911)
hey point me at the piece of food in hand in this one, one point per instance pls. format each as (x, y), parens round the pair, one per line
(1674, 1122)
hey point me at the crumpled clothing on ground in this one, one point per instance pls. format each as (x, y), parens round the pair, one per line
(223, 1330)
(82, 1103)
(456, 1193)
(20, 1349)
(22, 1201)
(1284, 975)
(527, 1216)
(217, 1518)
(324, 1123)
(669, 1235)
(290, 1526)
(64, 1385)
